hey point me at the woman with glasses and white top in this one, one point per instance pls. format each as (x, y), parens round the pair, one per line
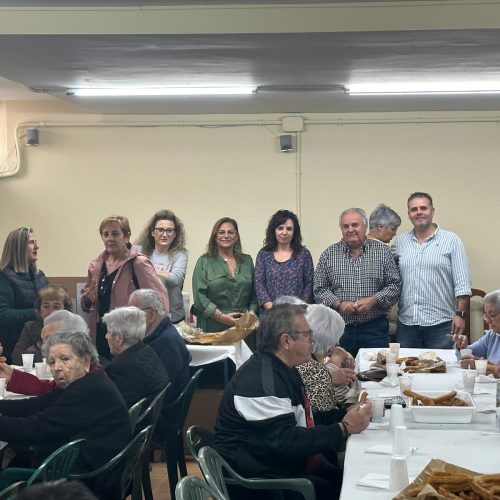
(163, 240)
(223, 279)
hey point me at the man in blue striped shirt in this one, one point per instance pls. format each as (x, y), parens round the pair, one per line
(436, 282)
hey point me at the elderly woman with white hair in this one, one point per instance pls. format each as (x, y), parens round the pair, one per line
(84, 405)
(329, 373)
(136, 369)
(383, 224)
(26, 383)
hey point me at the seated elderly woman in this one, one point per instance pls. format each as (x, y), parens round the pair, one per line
(51, 298)
(136, 369)
(84, 405)
(326, 379)
(383, 224)
(27, 383)
(488, 346)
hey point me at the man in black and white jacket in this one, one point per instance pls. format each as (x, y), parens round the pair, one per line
(264, 426)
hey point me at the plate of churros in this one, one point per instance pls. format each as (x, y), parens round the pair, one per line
(440, 480)
(455, 407)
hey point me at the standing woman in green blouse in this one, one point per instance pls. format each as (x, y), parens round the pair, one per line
(223, 283)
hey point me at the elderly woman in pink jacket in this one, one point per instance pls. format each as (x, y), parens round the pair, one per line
(113, 276)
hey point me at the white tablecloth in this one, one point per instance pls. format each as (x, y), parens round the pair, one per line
(474, 450)
(206, 354)
(473, 446)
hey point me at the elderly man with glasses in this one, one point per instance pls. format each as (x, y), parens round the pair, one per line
(488, 346)
(265, 427)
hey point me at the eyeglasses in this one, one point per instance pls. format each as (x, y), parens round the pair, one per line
(486, 316)
(226, 233)
(307, 334)
(164, 230)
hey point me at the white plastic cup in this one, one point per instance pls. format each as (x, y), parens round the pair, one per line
(469, 378)
(481, 366)
(400, 443)
(392, 371)
(394, 348)
(397, 416)
(377, 409)
(41, 370)
(398, 475)
(27, 362)
(3, 383)
(465, 352)
(391, 358)
(404, 383)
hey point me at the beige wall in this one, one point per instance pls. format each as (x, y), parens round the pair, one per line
(233, 166)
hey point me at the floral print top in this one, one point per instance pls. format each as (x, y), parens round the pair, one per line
(292, 277)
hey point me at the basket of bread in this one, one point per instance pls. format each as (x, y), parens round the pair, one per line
(244, 325)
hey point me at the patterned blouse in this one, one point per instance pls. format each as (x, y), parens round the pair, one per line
(322, 394)
(292, 277)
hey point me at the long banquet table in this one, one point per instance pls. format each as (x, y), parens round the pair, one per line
(473, 446)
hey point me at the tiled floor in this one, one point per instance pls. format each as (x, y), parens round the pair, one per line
(159, 479)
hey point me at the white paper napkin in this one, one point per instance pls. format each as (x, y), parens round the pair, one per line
(486, 379)
(374, 480)
(389, 382)
(383, 449)
(378, 426)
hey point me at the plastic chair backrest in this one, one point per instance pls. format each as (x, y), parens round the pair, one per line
(130, 457)
(152, 413)
(134, 413)
(215, 469)
(57, 465)
(197, 438)
(194, 488)
(13, 488)
(134, 455)
(183, 401)
(212, 465)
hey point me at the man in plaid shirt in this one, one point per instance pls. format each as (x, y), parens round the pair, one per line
(358, 277)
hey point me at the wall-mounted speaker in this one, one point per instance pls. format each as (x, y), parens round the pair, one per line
(286, 144)
(32, 137)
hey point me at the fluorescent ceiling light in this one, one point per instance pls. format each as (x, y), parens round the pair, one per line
(403, 88)
(159, 91)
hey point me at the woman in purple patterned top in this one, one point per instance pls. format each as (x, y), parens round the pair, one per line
(283, 266)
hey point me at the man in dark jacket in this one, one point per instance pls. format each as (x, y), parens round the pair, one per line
(264, 425)
(164, 339)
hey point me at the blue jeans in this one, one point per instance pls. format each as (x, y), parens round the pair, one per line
(428, 337)
(373, 333)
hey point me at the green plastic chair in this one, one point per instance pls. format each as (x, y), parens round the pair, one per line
(174, 453)
(129, 458)
(215, 470)
(56, 466)
(11, 490)
(197, 437)
(135, 412)
(151, 416)
(194, 488)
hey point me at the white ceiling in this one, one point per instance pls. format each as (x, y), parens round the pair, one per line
(165, 43)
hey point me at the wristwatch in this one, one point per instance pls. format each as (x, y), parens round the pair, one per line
(462, 314)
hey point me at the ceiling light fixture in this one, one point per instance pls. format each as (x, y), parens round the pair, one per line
(425, 88)
(159, 91)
